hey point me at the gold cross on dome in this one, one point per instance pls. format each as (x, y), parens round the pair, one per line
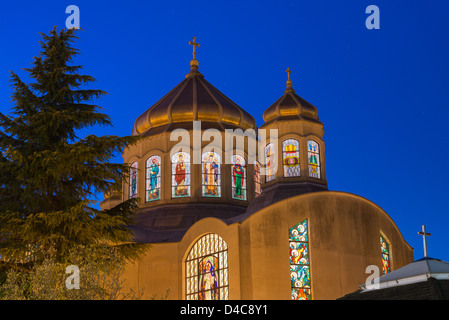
(195, 45)
(288, 71)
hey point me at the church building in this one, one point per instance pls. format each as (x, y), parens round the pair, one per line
(229, 226)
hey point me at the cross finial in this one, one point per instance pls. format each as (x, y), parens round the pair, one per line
(289, 82)
(195, 45)
(288, 71)
(424, 235)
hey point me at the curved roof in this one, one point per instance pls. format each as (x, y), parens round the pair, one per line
(194, 99)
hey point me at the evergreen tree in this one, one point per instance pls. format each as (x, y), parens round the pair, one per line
(49, 175)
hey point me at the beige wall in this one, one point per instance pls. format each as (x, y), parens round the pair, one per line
(344, 239)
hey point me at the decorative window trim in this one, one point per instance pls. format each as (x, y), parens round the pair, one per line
(133, 175)
(290, 158)
(300, 278)
(313, 159)
(181, 175)
(153, 176)
(211, 189)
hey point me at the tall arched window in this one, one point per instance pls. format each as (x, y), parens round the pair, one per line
(180, 174)
(207, 276)
(270, 162)
(133, 180)
(313, 149)
(300, 262)
(238, 177)
(211, 174)
(257, 187)
(153, 179)
(290, 158)
(385, 248)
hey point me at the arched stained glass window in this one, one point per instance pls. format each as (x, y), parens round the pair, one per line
(300, 262)
(270, 162)
(153, 179)
(207, 276)
(313, 149)
(290, 158)
(211, 174)
(180, 174)
(238, 177)
(133, 180)
(257, 186)
(385, 248)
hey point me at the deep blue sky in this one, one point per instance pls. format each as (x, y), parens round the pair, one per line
(381, 94)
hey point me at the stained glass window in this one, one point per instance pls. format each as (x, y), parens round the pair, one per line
(211, 174)
(153, 179)
(290, 156)
(180, 174)
(300, 262)
(133, 180)
(238, 177)
(314, 159)
(385, 248)
(257, 187)
(207, 275)
(270, 162)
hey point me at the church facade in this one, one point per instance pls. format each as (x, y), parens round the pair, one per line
(224, 224)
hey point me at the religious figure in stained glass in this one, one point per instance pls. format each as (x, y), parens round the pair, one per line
(270, 162)
(314, 159)
(299, 262)
(181, 174)
(290, 153)
(257, 187)
(385, 249)
(133, 180)
(238, 177)
(208, 281)
(211, 174)
(153, 185)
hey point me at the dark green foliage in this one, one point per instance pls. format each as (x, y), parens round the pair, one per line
(48, 174)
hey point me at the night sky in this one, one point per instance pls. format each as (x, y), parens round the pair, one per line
(382, 94)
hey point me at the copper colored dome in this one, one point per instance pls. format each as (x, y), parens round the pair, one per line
(290, 106)
(194, 99)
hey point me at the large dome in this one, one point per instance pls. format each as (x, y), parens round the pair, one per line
(194, 99)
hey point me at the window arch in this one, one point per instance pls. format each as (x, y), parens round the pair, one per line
(270, 162)
(386, 261)
(300, 262)
(180, 174)
(313, 155)
(238, 177)
(211, 174)
(207, 276)
(153, 178)
(257, 187)
(290, 158)
(133, 180)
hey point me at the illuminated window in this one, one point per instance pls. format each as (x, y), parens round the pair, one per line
(299, 262)
(385, 248)
(206, 265)
(270, 162)
(257, 186)
(238, 177)
(133, 180)
(153, 179)
(180, 174)
(290, 158)
(211, 174)
(314, 159)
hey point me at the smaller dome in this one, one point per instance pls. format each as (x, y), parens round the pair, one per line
(290, 106)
